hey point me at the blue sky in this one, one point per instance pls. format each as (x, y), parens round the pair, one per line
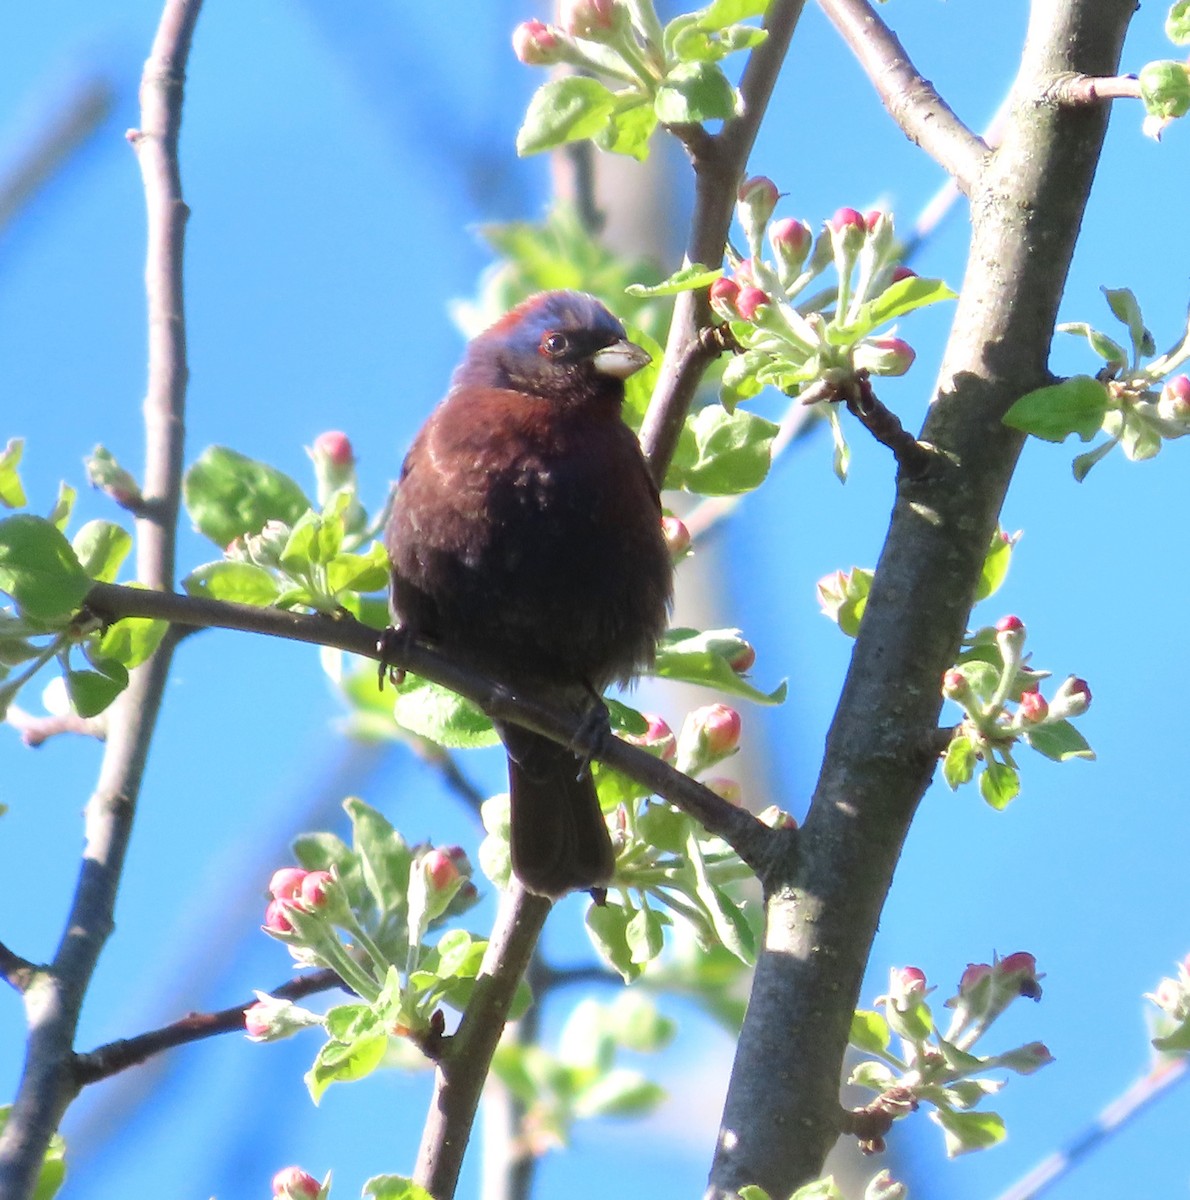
(337, 167)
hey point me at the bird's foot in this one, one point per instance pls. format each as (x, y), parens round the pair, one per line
(591, 735)
(393, 642)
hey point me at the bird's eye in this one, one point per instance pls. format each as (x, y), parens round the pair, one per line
(554, 345)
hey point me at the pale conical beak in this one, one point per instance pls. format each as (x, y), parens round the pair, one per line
(620, 359)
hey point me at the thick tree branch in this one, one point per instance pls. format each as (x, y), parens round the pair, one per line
(780, 1119)
(53, 1003)
(924, 117)
(114, 1057)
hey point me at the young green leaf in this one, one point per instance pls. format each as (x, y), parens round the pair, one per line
(629, 126)
(1058, 740)
(1076, 405)
(689, 278)
(130, 640)
(101, 548)
(395, 1187)
(1107, 348)
(1125, 307)
(694, 657)
(236, 582)
(731, 453)
(1165, 90)
(607, 927)
(39, 569)
(999, 784)
(969, 1130)
(437, 713)
(12, 494)
(869, 1032)
(1177, 23)
(695, 92)
(228, 494)
(91, 692)
(564, 110)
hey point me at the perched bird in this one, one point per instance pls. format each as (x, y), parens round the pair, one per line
(525, 540)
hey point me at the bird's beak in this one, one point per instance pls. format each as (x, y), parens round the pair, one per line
(620, 359)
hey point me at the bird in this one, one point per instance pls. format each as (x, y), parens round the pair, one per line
(525, 540)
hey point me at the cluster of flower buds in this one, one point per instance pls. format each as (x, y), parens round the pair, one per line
(987, 989)
(293, 887)
(596, 22)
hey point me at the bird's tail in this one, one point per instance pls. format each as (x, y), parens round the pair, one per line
(559, 837)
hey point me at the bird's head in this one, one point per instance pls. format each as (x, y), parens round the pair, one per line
(564, 346)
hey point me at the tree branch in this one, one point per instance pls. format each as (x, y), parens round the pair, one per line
(780, 1119)
(18, 972)
(923, 116)
(114, 1057)
(1074, 89)
(463, 1069)
(52, 1006)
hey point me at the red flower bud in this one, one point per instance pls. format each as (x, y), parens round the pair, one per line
(791, 240)
(275, 918)
(721, 728)
(440, 870)
(590, 19)
(972, 977)
(873, 217)
(256, 1020)
(954, 684)
(907, 982)
(292, 1183)
(847, 218)
(1020, 969)
(723, 296)
(658, 739)
(1072, 698)
(335, 447)
(749, 302)
(537, 44)
(900, 271)
(884, 356)
(286, 882)
(677, 537)
(744, 659)
(1033, 707)
(758, 189)
(1174, 404)
(1004, 624)
(313, 892)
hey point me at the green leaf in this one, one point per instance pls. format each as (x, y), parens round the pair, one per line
(629, 126)
(435, 712)
(689, 278)
(722, 13)
(638, 389)
(969, 1130)
(130, 640)
(53, 1165)
(101, 548)
(237, 582)
(339, 1063)
(92, 691)
(619, 1093)
(695, 92)
(869, 1032)
(564, 110)
(1177, 24)
(694, 43)
(995, 566)
(1107, 348)
(12, 493)
(228, 494)
(999, 784)
(1076, 405)
(395, 1187)
(1165, 91)
(874, 1075)
(897, 299)
(958, 764)
(358, 572)
(691, 655)
(752, 1191)
(39, 569)
(1058, 740)
(1177, 1041)
(1084, 462)
(59, 515)
(384, 855)
(664, 826)
(607, 927)
(645, 935)
(730, 454)
(313, 540)
(637, 1024)
(1123, 303)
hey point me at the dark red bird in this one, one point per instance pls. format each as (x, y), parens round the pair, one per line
(526, 541)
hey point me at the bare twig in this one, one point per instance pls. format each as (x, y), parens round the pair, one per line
(114, 1057)
(36, 730)
(461, 1073)
(924, 117)
(913, 458)
(1073, 89)
(47, 1083)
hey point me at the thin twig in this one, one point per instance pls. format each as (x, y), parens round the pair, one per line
(751, 839)
(36, 730)
(47, 1083)
(1131, 1103)
(464, 1065)
(113, 1057)
(1073, 90)
(924, 117)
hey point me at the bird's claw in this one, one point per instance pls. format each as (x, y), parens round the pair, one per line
(393, 642)
(591, 735)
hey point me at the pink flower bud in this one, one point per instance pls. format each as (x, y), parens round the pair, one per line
(658, 739)
(256, 1020)
(791, 240)
(847, 218)
(1174, 403)
(726, 789)
(1033, 707)
(286, 883)
(873, 217)
(955, 684)
(756, 197)
(1024, 1060)
(1010, 637)
(1004, 624)
(744, 659)
(276, 919)
(1019, 972)
(720, 728)
(884, 356)
(677, 537)
(723, 296)
(906, 984)
(590, 19)
(900, 271)
(292, 1183)
(537, 44)
(335, 447)
(972, 977)
(1072, 699)
(313, 892)
(440, 870)
(745, 273)
(750, 301)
